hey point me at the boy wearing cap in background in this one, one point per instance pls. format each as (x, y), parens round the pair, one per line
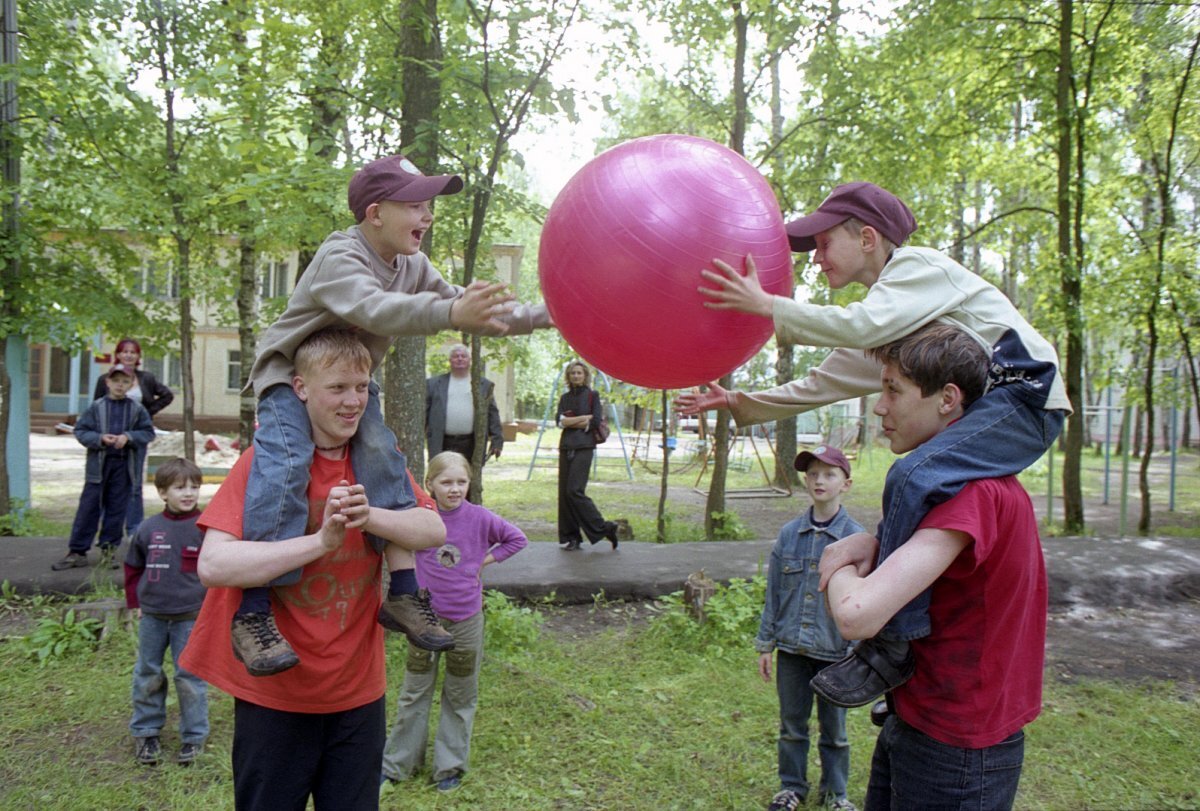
(857, 233)
(374, 277)
(115, 430)
(796, 623)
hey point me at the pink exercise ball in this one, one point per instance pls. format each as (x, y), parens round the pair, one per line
(622, 250)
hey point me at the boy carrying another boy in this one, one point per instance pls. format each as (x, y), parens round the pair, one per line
(115, 430)
(796, 623)
(955, 736)
(372, 277)
(315, 731)
(162, 584)
(856, 233)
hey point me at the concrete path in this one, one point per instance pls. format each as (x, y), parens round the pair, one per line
(1103, 572)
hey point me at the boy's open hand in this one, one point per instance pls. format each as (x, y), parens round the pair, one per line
(732, 291)
(857, 550)
(479, 308)
(694, 401)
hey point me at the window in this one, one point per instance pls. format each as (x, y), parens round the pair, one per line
(233, 370)
(152, 280)
(166, 369)
(275, 279)
(59, 381)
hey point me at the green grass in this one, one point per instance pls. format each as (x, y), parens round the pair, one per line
(656, 716)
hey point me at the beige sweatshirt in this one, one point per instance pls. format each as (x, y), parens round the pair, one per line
(349, 284)
(918, 286)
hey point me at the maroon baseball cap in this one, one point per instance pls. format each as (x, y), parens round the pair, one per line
(823, 453)
(877, 207)
(396, 178)
(121, 368)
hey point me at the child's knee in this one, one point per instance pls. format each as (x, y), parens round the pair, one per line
(419, 660)
(460, 662)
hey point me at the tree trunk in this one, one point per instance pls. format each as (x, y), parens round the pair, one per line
(1071, 286)
(420, 52)
(11, 273)
(660, 523)
(247, 307)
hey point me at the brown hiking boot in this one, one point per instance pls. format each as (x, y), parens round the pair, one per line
(258, 645)
(412, 615)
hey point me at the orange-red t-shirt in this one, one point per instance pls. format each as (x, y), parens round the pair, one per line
(329, 617)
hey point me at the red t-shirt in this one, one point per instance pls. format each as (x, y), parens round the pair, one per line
(979, 673)
(329, 617)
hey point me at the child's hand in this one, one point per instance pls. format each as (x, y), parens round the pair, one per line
(120, 441)
(333, 525)
(733, 291)
(352, 501)
(108, 439)
(693, 402)
(479, 308)
(764, 666)
(857, 550)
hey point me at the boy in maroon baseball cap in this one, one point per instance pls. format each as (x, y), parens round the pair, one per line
(372, 277)
(857, 235)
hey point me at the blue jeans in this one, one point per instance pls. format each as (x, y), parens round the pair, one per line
(793, 672)
(911, 770)
(150, 682)
(111, 497)
(277, 490)
(1000, 435)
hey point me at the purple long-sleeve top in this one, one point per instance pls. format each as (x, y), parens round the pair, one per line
(451, 571)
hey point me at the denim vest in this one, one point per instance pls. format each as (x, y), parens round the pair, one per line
(795, 618)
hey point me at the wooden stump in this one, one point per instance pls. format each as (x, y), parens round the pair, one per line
(110, 613)
(696, 590)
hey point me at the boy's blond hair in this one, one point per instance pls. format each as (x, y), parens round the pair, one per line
(855, 226)
(328, 346)
(444, 460)
(177, 470)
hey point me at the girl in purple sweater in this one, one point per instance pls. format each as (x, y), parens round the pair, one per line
(452, 573)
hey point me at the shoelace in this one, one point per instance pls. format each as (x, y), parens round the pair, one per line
(266, 633)
(426, 608)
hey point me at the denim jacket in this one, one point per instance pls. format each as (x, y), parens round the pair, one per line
(795, 618)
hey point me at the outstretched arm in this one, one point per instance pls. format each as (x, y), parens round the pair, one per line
(694, 402)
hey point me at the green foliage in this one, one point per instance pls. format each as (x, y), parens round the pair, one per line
(731, 619)
(56, 638)
(728, 526)
(511, 629)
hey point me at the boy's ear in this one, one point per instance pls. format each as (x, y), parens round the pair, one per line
(951, 399)
(868, 238)
(300, 389)
(371, 214)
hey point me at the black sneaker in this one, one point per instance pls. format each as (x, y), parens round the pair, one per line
(449, 783)
(188, 753)
(867, 673)
(786, 800)
(258, 645)
(412, 615)
(148, 751)
(73, 560)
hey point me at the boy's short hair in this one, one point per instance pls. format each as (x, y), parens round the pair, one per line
(328, 346)
(935, 355)
(177, 470)
(872, 205)
(395, 178)
(855, 226)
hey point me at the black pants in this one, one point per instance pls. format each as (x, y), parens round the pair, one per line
(575, 510)
(462, 443)
(110, 497)
(280, 759)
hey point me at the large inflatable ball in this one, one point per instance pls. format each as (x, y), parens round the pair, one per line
(622, 250)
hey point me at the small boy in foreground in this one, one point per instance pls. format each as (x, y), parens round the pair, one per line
(162, 584)
(796, 625)
(955, 737)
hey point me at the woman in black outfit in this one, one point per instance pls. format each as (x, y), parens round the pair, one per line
(153, 396)
(578, 410)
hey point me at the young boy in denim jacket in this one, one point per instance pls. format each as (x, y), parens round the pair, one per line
(796, 623)
(162, 584)
(857, 234)
(372, 277)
